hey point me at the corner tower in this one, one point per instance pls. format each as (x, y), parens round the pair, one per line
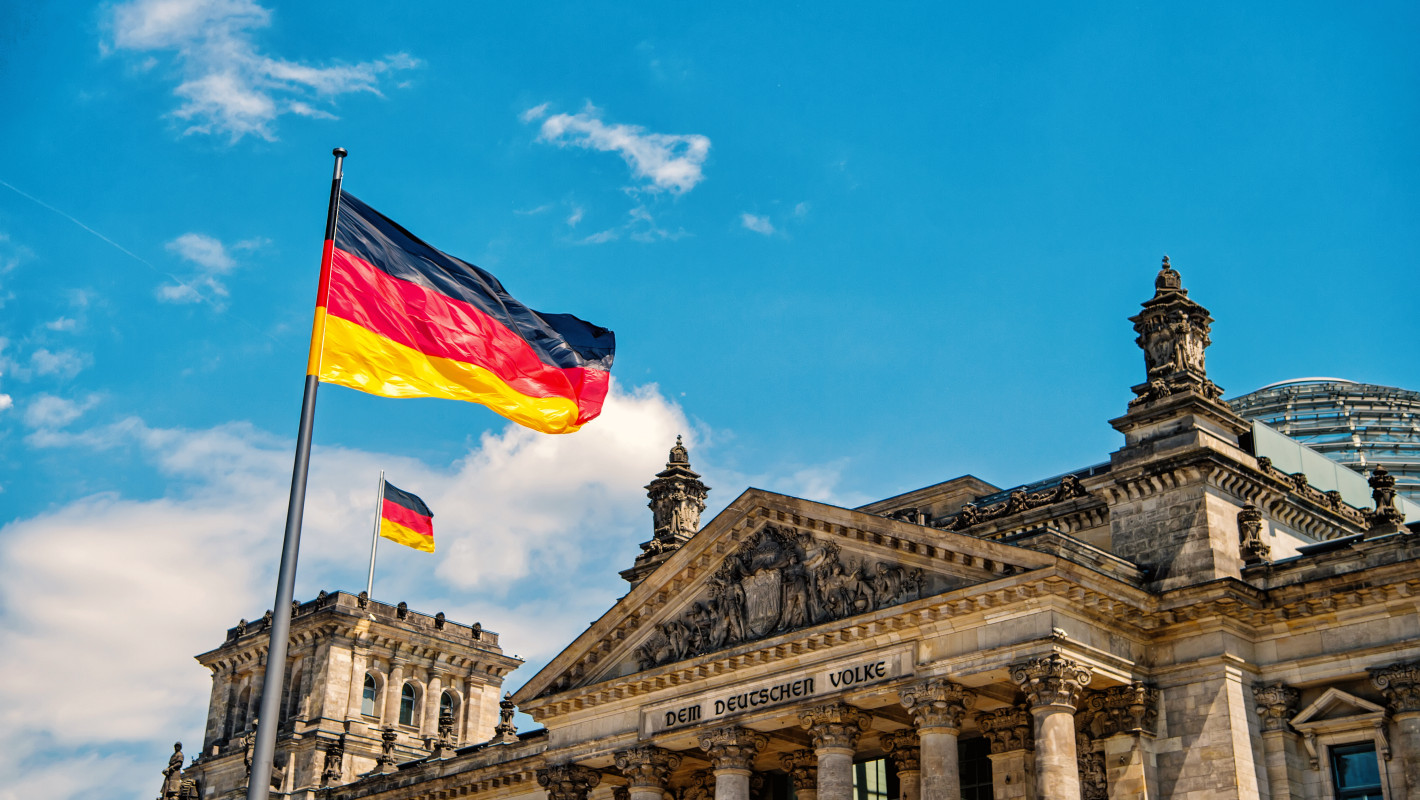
(677, 500)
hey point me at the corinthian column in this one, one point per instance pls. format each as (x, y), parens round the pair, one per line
(906, 757)
(1009, 731)
(835, 729)
(732, 751)
(1052, 687)
(646, 769)
(1400, 683)
(802, 766)
(937, 706)
(568, 781)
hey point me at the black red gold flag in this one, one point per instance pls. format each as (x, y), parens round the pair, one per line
(404, 518)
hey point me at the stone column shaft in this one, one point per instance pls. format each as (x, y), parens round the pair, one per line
(394, 686)
(429, 725)
(732, 751)
(835, 729)
(937, 706)
(1052, 686)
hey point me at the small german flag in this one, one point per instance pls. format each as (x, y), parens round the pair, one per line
(405, 519)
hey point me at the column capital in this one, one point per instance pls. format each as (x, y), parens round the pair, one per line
(903, 748)
(732, 747)
(647, 766)
(1276, 705)
(568, 781)
(1052, 680)
(835, 725)
(1400, 683)
(937, 703)
(1007, 729)
(802, 766)
(1124, 709)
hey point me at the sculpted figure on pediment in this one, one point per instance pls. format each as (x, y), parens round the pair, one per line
(778, 581)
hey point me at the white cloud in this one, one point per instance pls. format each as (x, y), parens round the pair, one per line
(65, 363)
(6, 402)
(211, 258)
(49, 411)
(204, 251)
(668, 161)
(801, 210)
(575, 217)
(536, 112)
(229, 86)
(519, 512)
(62, 324)
(640, 226)
(757, 223)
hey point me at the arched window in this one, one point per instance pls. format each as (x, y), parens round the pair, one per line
(407, 697)
(446, 704)
(243, 714)
(293, 695)
(367, 699)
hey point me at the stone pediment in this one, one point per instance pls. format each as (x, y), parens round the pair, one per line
(1334, 705)
(766, 566)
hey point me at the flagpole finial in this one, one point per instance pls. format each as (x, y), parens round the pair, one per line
(340, 152)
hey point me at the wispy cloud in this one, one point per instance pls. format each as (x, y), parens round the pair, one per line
(212, 260)
(64, 363)
(757, 223)
(50, 411)
(229, 86)
(640, 226)
(667, 162)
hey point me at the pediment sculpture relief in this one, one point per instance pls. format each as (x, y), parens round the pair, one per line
(779, 581)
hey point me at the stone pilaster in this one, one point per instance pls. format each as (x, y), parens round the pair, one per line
(568, 781)
(802, 766)
(937, 706)
(394, 687)
(1052, 686)
(732, 751)
(1010, 734)
(835, 729)
(1281, 753)
(646, 769)
(902, 747)
(1124, 721)
(1400, 683)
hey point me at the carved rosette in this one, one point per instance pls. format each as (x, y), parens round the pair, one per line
(937, 703)
(1124, 709)
(802, 766)
(903, 748)
(1254, 549)
(1051, 681)
(732, 747)
(1276, 705)
(1007, 729)
(1400, 683)
(835, 725)
(568, 781)
(648, 766)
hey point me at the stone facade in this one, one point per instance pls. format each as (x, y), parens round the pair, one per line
(1182, 622)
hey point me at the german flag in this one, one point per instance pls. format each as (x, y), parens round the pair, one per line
(405, 519)
(401, 319)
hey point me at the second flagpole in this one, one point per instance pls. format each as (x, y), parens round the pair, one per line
(375, 535)
(259, 782)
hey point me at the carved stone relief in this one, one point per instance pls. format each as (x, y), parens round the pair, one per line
(1254, 549)
(778, 581)
(1018, 501)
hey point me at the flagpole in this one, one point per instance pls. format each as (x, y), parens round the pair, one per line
(375, 536)
(259, 782)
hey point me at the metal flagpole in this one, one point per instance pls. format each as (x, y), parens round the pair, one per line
(375, 536)
(259, 783)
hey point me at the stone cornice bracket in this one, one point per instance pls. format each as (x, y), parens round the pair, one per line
(1053, 680)
(732, 747)
(647, 766)
(937, 703)
(835, 725)
(1124, 709)
(1007, 729)
(1254, 549)
(1276, 705)
(568, 781)
(904, 750)
(802, 766)
(1400, 683)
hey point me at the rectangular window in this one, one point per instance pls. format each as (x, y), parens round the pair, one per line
(872, 780)
(1355, 772)
(974, 763)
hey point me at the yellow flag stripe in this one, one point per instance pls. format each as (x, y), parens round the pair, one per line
(362, 359)
(396, 532)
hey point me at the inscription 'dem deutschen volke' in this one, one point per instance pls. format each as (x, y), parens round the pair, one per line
(774, 692)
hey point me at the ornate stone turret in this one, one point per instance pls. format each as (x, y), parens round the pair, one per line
(1173, 333)
(677, 499)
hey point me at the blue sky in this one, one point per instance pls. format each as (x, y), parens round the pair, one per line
(846, 252)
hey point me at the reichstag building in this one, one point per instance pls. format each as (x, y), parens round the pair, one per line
(1184, 620)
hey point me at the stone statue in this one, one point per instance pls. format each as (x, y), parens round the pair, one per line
(795, 608)
(172, 776)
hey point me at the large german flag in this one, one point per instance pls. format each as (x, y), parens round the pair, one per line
(402, 319)
(404, 518)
